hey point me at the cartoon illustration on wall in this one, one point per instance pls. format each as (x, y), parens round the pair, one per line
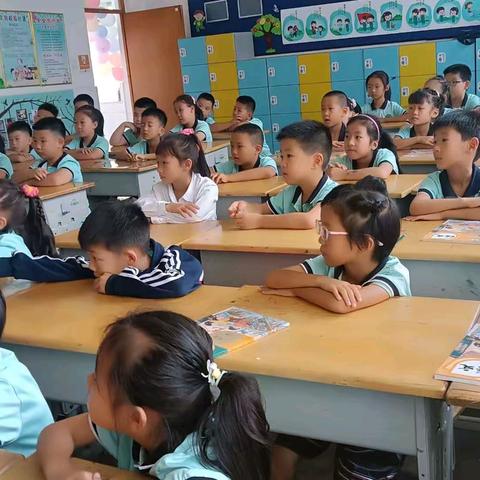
(317, 26)
(471, 10)
(267, 26)
(447, 11)
(199, 20)
(391, 16)
(293, 29)
(419, 15)
(340, 22)
(366, 20)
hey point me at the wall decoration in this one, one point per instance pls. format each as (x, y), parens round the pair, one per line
(471, 10)
(340, 22)
(391, 16)
(293, 28)
(267, 27)
(366, 20)
(317, 26)
(447, 12)
(419, 15)
(199, 20)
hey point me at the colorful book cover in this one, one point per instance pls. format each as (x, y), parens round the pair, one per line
(235, 328)
(456, 231)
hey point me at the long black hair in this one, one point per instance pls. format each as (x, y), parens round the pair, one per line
(427, 95)
(94, 115)
(377, 134)
(190, 102)
(384, 78)
(157, 360)
(26, 217)
(185, 147)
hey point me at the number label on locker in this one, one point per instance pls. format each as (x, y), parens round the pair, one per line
(216, 105)
(274, 100)
(183, 52)
(241, 74)
(213, 77)
(186, 79)
(210, 49)
(302, 69)
(441, 57)
(368, 63)
(275, 127)
(271, 71)
(405, 91)
(304, 98)
(335, 66)
(403, 60)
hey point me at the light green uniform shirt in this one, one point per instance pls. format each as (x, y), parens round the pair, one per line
(437, 185)
(383, 155)
(97, 142)
(131, 137)
(388, 109)
(231, 167)
(202, 127)
(65, 161)
(6, 165)
(11, 243)
(470, 101)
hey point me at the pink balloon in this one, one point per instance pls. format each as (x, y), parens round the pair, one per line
(118, 73)
(116, 59)
(103, 45)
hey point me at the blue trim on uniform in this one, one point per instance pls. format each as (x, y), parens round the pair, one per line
(271, 207)
(339, 270)
(307, 267)
(94, 139)
(55, 165)
(383, 107)
(424, 190)
(341, 135)
(472, 189)
(396, 293)
(429, 134)
(464, 101)
(257, 164)
(319, 186)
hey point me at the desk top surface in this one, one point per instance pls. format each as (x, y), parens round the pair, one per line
(117, 166)
(217, 144)
(47, 193)
(463, 395)
(416, 156)
(267, 187)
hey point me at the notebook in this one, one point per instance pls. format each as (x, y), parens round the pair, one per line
(456, 231)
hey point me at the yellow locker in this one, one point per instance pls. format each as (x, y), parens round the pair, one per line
(312, 116)
(409, 84)
(311, 96)
(224, 103)
(419, 59)
(314, 68)
(223, 76)
(220, 48)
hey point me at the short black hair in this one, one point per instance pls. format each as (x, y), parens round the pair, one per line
(254, 131)
(157, 113)
(145, 102)
(342, 97)
(206, 96)
(49, 107)
(460, 68)
(84, 97)
(427, 95)
(312, 136)
(3, 313)
(466, 123)
(115, 225)
(19, 126)
(248, 101)
(51, 124)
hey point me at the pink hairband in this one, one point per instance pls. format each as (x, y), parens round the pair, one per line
(372, 120)
(188, 131)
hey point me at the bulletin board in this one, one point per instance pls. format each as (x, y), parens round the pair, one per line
(33, 49)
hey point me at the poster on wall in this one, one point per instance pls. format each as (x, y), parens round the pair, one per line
(51, 47)
(376, 17)
(19, 64)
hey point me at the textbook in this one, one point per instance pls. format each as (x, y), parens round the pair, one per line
(235, 327)
(463, 364)
(456, 231)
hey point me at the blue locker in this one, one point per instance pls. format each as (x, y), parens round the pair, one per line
(252, 73)
(346, 65)
(452, 51)
(478, 83)
(282, 120)
(285, 99)
(195, 78)
(267, 126)
(384, 58)
(282, 71)
(192, 51)
(261, 97)
(477, 56)
(353, 88)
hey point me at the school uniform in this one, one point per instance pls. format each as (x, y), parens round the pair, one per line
(181, 464)
(131, 137)
(140, 148)
(97, 142)
(409, 132)
(210, 120)
(342, 133)
(231, 167)
(437, 185)
(382, 155)
(470, 101)
(24, 413)
(65, 161)
(202, 191)
(200, 126)
(6, 165)
(266, 149)
(173, 272)
(390, 275)
(388, 109)
(289, 200)
(11, 243)
(35, 155)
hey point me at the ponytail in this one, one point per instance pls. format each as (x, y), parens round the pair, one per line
(386, 141)
(95, 115)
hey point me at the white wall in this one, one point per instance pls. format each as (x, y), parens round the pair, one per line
(137, 5)
(77, 43)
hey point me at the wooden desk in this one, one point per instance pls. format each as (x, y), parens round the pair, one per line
(8, 460)
(393, 126)
(463, 395)
(255, 191)
(30, 470)
(417, 160)
(65, 206)
(228, 135)
(216, 152)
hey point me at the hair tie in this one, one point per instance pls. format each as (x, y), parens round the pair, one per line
(188, 131)
(372, 120)
(214, 375)
(29, 191)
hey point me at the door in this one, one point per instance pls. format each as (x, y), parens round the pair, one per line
(151, 41)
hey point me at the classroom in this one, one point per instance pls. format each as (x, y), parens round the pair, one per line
(240, 240)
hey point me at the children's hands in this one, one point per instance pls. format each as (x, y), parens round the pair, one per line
(84, 476)
(237, 209)
(427, 216)
(340, 166)
(135, 157)
(427, 141)
(129, 125)
(248, 221)
(220, 178)
(338, 146)
(100, 283)
(342, 291)
(281, 292)
(337, 171)
(184, 209)
(40, 174)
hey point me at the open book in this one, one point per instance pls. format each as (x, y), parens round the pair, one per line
(456, 231)
(235, 328)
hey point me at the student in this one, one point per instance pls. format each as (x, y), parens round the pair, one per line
(6, 169)
(23, 227)
(124, 260)
(424, 107)
(154, 121)
(369, 151)
(440, 85)
(82, 100)
(24, 413)
(160, 405)
(55, 167)
(20, 141)
(89, 142)
(359, 226)
(458, 78)
(247, 162)
(454, 191)
(335, 111)
(191, 117)
(45, 110)
(128, 133)
(186, 193)
(305, 151)
(378, 88)
(205, 102)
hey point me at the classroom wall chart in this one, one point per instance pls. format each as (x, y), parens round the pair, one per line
(362, 19)
(33, 49)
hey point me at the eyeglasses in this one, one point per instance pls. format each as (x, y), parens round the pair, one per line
(452, 83)
(324, 232)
